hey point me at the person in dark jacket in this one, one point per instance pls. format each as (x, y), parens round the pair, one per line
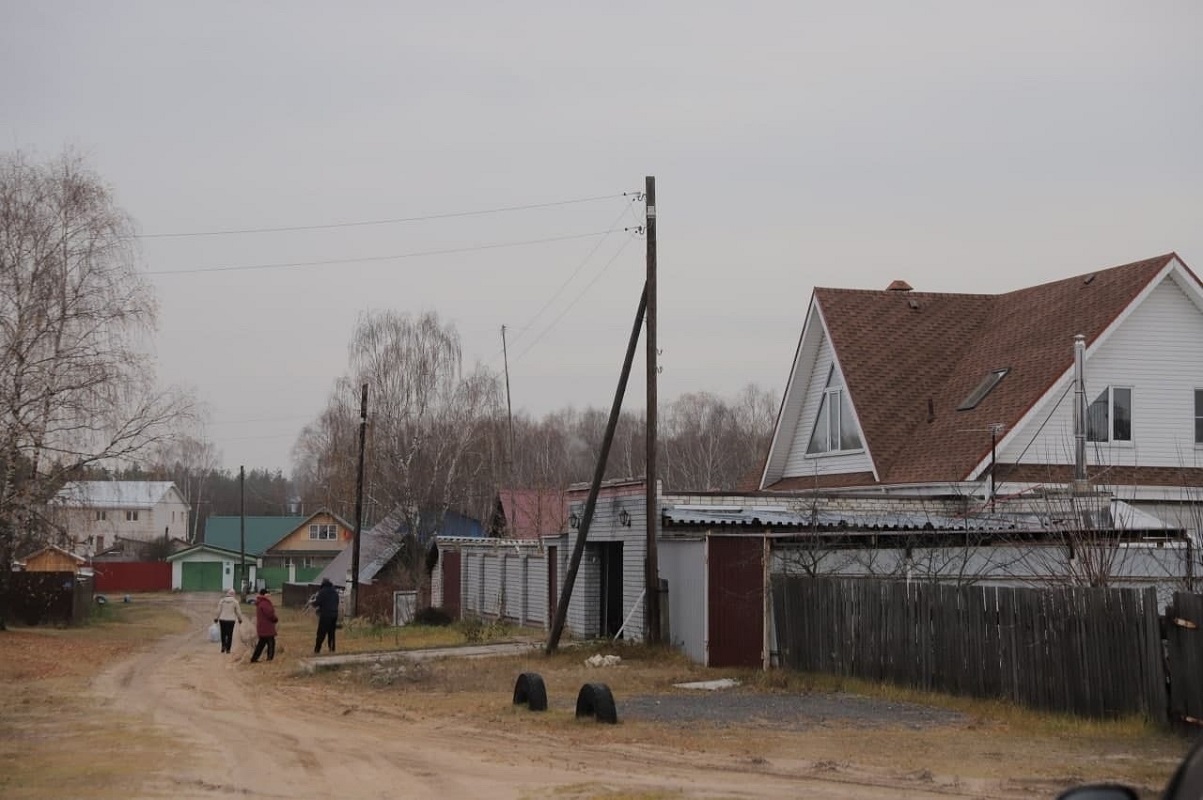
(265, 626)
(326, 603)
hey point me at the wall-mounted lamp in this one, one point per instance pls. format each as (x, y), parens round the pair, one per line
(624, 518)
(574, 521)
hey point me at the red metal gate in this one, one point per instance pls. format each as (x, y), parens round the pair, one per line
(735, 571)
(451, 582)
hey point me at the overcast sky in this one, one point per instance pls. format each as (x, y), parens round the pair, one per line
(961, 146)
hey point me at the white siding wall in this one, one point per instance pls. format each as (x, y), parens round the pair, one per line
(1158, 352)
(683, 564)
(798, 463)
(500, 579)
(584, 611)
(498, 572)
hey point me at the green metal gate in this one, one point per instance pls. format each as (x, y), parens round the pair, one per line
(201, 576)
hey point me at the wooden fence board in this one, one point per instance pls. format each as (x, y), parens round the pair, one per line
(1087, 651)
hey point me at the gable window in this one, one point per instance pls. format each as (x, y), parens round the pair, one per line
(1109, 418)
(1198, 416)
(835, 427)
(323, 532)
(131, 516)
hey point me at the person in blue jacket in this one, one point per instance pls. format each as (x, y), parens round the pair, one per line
(326, 603)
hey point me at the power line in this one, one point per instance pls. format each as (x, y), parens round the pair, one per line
(367, 259)
(395, 220)
(576, 299)
(560, 290)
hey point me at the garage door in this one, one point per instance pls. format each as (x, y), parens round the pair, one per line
(201, 576)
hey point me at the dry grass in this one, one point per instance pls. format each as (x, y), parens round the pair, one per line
(55, 741)
(994, 740)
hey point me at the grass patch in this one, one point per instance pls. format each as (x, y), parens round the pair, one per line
(55, 741)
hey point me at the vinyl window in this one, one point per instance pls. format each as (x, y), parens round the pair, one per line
(1109, 417)
(835, 427)
(323, 532)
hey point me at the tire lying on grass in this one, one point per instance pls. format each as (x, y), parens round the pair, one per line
(596, 700)
(529, 689)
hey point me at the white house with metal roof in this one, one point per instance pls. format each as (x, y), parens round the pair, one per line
(92, 514)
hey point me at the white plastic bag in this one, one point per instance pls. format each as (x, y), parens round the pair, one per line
(214, 633)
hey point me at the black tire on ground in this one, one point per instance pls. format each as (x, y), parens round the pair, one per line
(529, 689)
(596, 700)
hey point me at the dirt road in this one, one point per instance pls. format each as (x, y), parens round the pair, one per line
(241, 736)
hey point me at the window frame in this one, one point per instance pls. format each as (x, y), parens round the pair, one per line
(1111, 419)
(318, 532)
(1199, 417)
(833, 397)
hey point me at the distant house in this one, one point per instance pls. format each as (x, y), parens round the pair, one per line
(529, 513)
(382, 547)
(252, 535)
(301, 554)
(291, 549)
(93, 514)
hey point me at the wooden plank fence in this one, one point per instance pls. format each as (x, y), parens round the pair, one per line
(1093, 652)
(1184, 654)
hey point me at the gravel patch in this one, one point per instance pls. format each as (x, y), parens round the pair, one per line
(793, 712)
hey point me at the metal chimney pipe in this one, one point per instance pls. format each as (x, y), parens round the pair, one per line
(1079, 413)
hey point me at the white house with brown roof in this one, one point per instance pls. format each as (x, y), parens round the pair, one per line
(899, 391)
(93, 514)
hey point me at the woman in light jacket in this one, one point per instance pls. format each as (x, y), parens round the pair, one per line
(228, 613)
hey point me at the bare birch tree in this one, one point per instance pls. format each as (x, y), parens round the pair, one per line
(430, 431)
(76, 388)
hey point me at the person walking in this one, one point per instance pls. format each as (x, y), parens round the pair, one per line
(265, 626)
(326, 603)
(228, 613)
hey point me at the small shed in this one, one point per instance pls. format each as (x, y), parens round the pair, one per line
(53, 559)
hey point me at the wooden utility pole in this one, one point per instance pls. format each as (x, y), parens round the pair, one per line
(651, 564)
(363, 427)
(242, 531)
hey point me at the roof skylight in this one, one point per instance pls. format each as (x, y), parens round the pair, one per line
(979, 394)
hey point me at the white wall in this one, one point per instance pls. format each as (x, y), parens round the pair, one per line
(584, 612)
(499, 579)
(1158, 352)
(683, 565)
(799, 463)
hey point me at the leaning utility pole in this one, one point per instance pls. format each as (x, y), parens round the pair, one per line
(509, 411)
(651, 603)
(599, 470)
(363, 426)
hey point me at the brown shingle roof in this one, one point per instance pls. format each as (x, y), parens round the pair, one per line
(900, 350)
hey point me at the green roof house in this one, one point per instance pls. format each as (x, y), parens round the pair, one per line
(261, 532)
